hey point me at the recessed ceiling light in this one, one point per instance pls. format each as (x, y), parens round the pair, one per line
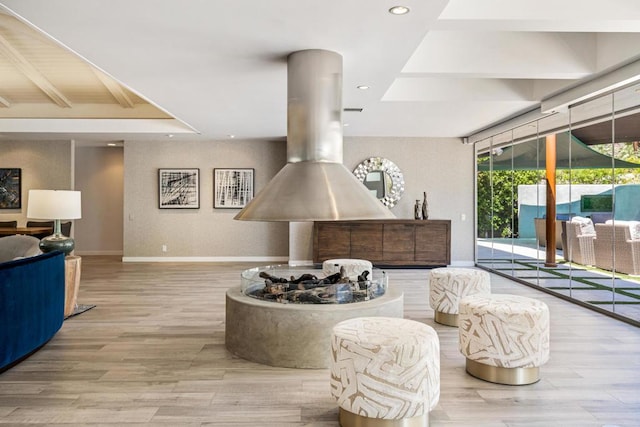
(363, 87)
(111, 144)
(231, 136)
(399, 10)
(169, 135)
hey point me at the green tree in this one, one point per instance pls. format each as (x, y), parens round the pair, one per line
(500, 218)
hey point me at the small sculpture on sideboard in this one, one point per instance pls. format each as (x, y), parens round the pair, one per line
(425, 207)
(417, 210)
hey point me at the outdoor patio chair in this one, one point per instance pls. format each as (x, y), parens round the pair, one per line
(541, 227)
(580, 242)
(627, 249)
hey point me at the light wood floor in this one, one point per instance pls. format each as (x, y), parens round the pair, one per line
(152, 354)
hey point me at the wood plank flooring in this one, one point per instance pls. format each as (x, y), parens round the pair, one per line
(152, 354)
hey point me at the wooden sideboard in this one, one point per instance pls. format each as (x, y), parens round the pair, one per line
(395, 242)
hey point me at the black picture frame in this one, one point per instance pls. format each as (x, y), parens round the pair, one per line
(233, 188)
(179, 188)
(10, 188)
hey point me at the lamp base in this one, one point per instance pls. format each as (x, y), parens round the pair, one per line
(57, 242)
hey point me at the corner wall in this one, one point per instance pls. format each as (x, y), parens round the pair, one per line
(100, 176)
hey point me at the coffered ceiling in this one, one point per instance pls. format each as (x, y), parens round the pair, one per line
(208, 69)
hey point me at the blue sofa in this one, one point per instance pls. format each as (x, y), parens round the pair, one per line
(31, 304)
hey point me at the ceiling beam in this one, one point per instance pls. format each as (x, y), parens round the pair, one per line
(598, 85)
(22, 64)
(114, 88)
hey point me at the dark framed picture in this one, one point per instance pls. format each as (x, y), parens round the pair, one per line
(179, 188)
(232, 188)
(10, 188)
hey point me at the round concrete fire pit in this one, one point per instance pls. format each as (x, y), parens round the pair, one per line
(294, 335)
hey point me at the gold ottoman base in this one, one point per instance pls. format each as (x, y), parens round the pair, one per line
(508, 376)
(446, 318)
(349, 419)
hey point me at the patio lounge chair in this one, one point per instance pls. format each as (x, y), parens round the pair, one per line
(541, 227)
(580, 241)
(627, 249)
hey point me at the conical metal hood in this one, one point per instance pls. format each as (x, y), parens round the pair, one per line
(314, 185)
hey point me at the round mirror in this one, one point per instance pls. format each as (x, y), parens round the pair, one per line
(383, 178)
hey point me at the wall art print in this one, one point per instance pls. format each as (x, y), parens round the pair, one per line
(233, 188)
(179, 188)
(10, 188)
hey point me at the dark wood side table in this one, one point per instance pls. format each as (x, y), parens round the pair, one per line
(30, 231)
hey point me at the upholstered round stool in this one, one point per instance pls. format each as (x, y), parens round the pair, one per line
(352, 267)
(384, 371)
(505, 338)
(448, 285)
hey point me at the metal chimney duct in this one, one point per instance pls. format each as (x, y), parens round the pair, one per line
(314, 185)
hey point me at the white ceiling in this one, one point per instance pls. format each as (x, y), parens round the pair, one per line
(446, 69)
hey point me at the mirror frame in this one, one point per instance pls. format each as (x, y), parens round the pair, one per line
(374, 164)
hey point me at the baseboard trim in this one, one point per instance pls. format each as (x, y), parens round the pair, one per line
(462, 264)
(204, 259)
(90, 253)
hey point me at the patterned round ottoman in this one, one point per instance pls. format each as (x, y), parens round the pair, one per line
(447, 286)
(352, 267)
(505, 338)
(384, 371)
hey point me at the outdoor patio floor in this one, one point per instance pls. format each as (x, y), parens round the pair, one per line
(521, 259)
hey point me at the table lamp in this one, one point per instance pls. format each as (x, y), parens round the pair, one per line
(55, 205)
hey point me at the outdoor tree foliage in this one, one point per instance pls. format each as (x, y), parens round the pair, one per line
(501, 216)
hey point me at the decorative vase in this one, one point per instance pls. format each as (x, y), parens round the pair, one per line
(417, 210)
(425, 207)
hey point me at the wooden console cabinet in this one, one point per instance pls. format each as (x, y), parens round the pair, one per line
(396, 242)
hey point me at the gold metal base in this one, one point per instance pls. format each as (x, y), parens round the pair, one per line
(446, 318)
(509, 376)
(349, 419)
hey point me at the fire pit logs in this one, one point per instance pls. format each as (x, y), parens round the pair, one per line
(307, 288)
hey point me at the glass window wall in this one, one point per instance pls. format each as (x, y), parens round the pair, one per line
(558, 203)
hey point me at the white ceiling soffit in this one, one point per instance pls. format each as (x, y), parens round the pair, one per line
(446, 69)
(47, 89)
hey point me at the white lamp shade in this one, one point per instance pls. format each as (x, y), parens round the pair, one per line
(54, 204)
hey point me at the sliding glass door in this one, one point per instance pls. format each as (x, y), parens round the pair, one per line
(558, 203)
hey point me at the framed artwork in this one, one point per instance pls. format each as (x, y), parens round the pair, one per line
(232, 188)
(10, 188)
(179, 188)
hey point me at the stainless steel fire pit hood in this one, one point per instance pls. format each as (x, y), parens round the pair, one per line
(314, 185)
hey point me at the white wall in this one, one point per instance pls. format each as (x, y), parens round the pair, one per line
(100, 178)
(44, 164)
(443, 167)
(206, 234)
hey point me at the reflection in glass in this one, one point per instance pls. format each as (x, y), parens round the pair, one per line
(379, 183)
(597, 189)
(383, 178)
